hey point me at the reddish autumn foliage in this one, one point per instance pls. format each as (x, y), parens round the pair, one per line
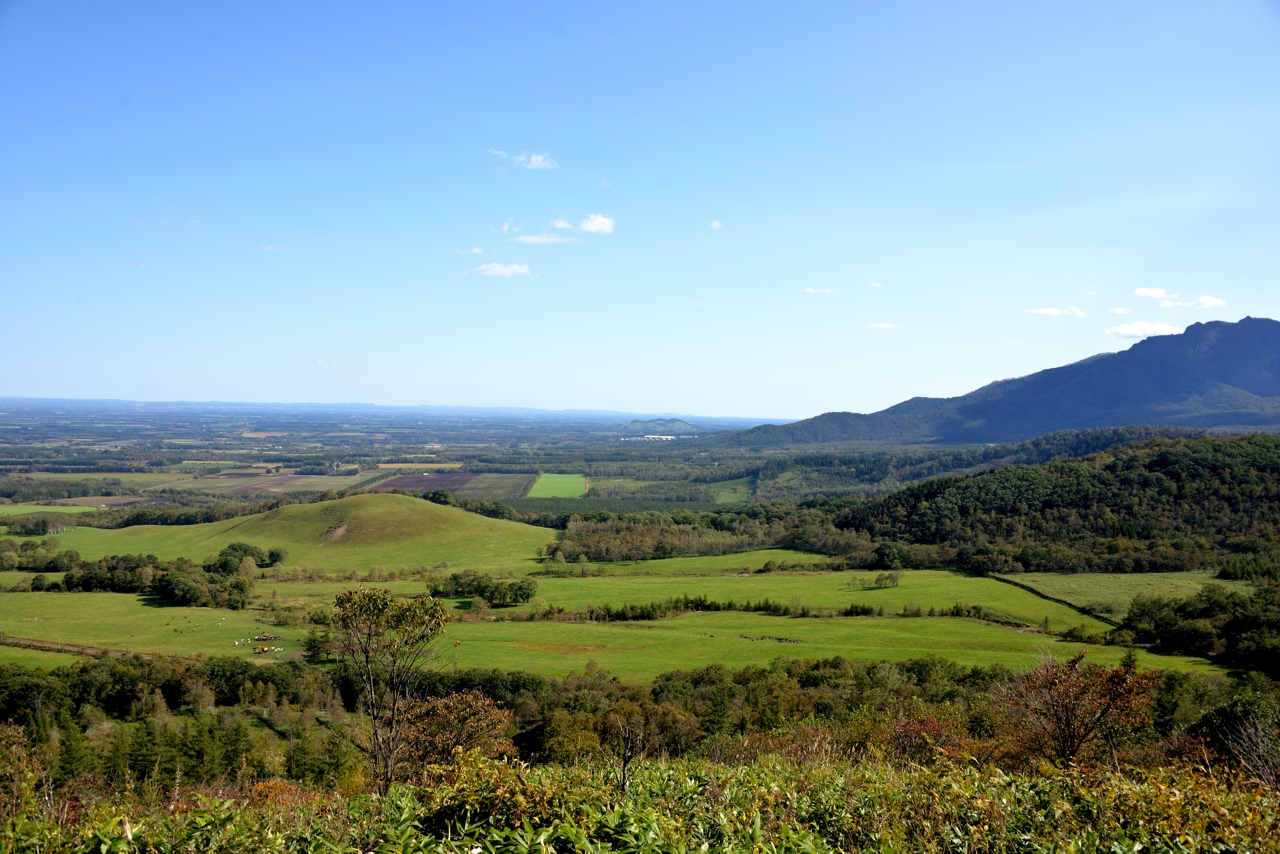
(469, 721)
(1066, 711)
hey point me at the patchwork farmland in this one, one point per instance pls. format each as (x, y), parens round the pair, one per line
(465, 485)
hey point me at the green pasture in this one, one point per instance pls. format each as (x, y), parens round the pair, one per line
(927, 589)
(8, 579)
(142, 480)
(638, 651)
(37, 509)
(35, 657)
(348, 534)
(1119, 590)
(633, 651)
(739, 562)
(559, 486)
(924, 588)
(128, 622)
(731, 491)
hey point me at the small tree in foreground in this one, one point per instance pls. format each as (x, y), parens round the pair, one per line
(439, 727)
(1064, 710)
(387, 641)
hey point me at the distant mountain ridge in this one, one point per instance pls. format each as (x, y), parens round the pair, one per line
(1213, 375)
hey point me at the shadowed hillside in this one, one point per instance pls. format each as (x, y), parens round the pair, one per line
(1218, 374)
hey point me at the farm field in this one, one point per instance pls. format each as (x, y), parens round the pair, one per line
(35, 657)
(634, 651)
(486, 486)
(350, 533)
(1119, 590)
(924, 588)
(253, 483)
(639, 651)
(424, 466)
(125, 621)
(559, 486)
(732, 491)
(141, 480)
(32, 509)
(738, 563)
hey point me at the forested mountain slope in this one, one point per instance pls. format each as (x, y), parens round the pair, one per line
(1214, 374)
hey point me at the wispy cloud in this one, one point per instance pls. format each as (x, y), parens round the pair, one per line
(716, 225)
(1201, 302)
(498, 151)
(597, 224)
(1142, 329)
(875, 285)
(822, 290)
(1120, 310)
(271, 247)
(473, 251)
(1073, 311)
(503, 270)
(1154, 293)
(544, 238)
(535, 161)
(560, 223)
(882, 326)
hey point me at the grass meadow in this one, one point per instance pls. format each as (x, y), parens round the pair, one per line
(34, 657)
(641, 650)
(559, 486)
(348, 534)
(128, 622)
(34, 509)
(1119, 590)
(634, 651)
(142, 480)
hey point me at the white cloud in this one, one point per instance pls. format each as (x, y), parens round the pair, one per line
(715, 225)
(598, 224)
(882, 326)
(1093, 293)
(544, 238)
(822, 290)
(1142, 329)
(474, 251)
(1154, 293)
(498, 151)
(876, 285)
(536, 161)
(560, 223)
(1059, 312)
(1120, 310)
(504, 270)
(271, 247)
(1202, 302)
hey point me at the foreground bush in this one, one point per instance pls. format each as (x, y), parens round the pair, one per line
(771, 804)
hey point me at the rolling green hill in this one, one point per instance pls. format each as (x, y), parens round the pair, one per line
(350, 533)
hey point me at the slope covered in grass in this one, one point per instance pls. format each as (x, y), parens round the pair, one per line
(350, 533)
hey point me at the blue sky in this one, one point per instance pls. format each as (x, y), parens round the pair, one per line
(733, 209)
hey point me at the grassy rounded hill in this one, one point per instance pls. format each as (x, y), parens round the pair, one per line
(349, 533)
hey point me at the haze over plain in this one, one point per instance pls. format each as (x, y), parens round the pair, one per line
(722, 209)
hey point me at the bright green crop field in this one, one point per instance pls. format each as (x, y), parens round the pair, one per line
(35, 657)
(639, 651)
(1119, 590)
(127, 622)
(351, 533)
(559, 486)
(925, 588)
(633, 651)
(36, 509)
